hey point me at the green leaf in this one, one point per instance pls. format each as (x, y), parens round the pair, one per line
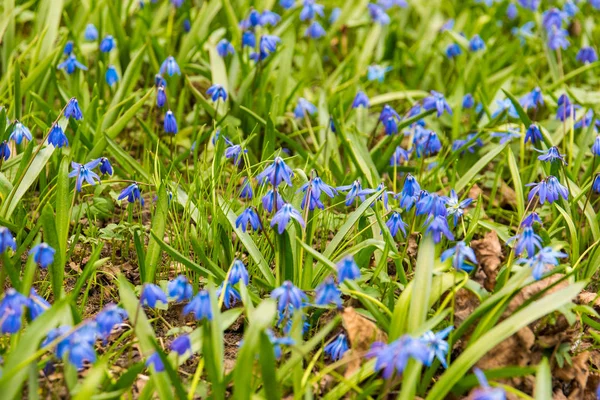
(543, 381)
(159, 222)
(477, 167)
(518, 185)
(500, 332)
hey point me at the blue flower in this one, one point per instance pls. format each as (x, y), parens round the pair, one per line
(460, 143)
(460, 253)
(393, 358)
(217, 91)
(107, 44)
(587, 55)
(355, 190)
(432, 204)
(249, 39)
(57, 137)
(283, 216)
(271, 199)
(399, 156)
(286, 3)
(187, 25)
(276, 172)
(68, 48)
(596, 146)
(378, 14)
(161, 97)
(552, 18)
(448, 25)
(337, 347)
(170, 67)
(587, 120)
(269, 17)
(530, 219)
(11, 311)
(532, 99)
(453, 50)
(71, 64)
(505, 105)
(410, 192)
(179, 289)
(557, 38)
(224, 48)
(170, 123)
(111, 75)
(377, 72)
(246, 192)
(234, 152)
(313, 188)
(437, 346)
(527, 240)
(327, 293)
(91, 33)
(596, 5)
(230, 296)
(159, 81)
(267, 45)
(524, 32)
(596, 184)
(181, 345)
(387, 4)
(6, 240)
(106, 319)
(200, 306)
(426, 142)
(151, 294)
(278, 342)
(468, 101)
(80, 349)
(395, 224)
(288, 294)
(55, 334)
(177, 3)
(36, 304)
(4, 150)
(437, 227)
(390, 118)
(347, 269)
(304, 107)
(310, 9)
(549, 190)
(238, 273)
(132, 193)
(335, 15)
(533, 134)
(512, 12)
(105, 166)
(155, 361)
(565, 108)
(72, 110)
(456, 208)
(486, 392)
(315, 30)
(19, 132)
(552, 155)
(43, 255)
(360, 100)
(84, 173)
(438, 102)
(544, 260)
(249, 216)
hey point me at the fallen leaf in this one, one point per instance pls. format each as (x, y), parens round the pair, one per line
(362, 332)
(488, 251)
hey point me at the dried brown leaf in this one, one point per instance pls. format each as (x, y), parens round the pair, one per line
(489, 255)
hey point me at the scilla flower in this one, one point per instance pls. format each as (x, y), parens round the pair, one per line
(71, 64)
(310, 10)
(360, 100)
(337, 347)
(224, 48)
(272, 200)
(6, 240)
(377, 72)
(229, 295)
(36, 305)
(181, 345)
(57, 137)
(304, 107)
(347, 269)
(238, 273)
(315, 31)
(453, 50)
(72, 110)
(438, 102)
(111, 75)
(460, 254)
(468, 101)
(438, 347)
(378, 14)
(284, 215)
(249, 39)
(170, 123)
(476, 43)
(91, 33)
(587, 55)
(533, 134)
(327, 293)
(531, 219)
(11, 311)
(246, 192)
(276, 172)
(105, 166)
(549, 190)
(4, 150)
(565, 109)
(485, 391)
(107, 44)
(43, 255)
(532, 99)
(288, 294)
(155, 362)
(179, 289)
(543, 261)
(170, 67)
(437, 227)
(84, 173)
(456, 208)
(200, 306)
(552, 155)
(152, 294)
(108, 318)
(249, 216)
(217, 92)
(596, 146)
(527, 240)
(312, 193)
(393, 358)
(395, 224)
(399, 156)
(131, 193)
(161, 97)
(19, 132)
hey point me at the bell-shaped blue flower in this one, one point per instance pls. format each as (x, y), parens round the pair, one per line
(11, 311)
(249, 216)
(460, 254)
(107, 44)
(181, 345)
(228, 294)
(328, 293)
(587, 55)
(395, 224)
(105, 166)
(84, 173)
(71, 64)
(179, 289)
(131, 193)
(91, 33)
(170, 67)
(72, 110)
(57, 137)
(438, 347)
(152, 294)
(19, 132)
(276, 172)
(111, 76)
(170, 123)
(108, 318)
(283, 217)
(200, 306)
(476, 43)
(6, 240)
(315, 30)
(288, 294)
(4, 150)
(360, 100)
(438, 102)
(36, 304)
(337, 347)
(347, 269)
(238, 273)
(155, 362)
(43, 255)
(304, 108)
(438, 227)
(272, 200)
(224, 48)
